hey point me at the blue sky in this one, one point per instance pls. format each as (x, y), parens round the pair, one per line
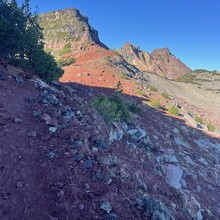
(189, 28)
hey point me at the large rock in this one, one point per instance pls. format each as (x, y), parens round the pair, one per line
(174, 175)
(153, 208)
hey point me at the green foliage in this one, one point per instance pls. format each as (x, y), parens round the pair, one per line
(21, 40)
(200, 70)
(211, 127)
(122, 76)
(140, 92)
(198, 119)
(107, 60)
(186, 78)
(115, 108)
(153, 89)
(165, 95)
(155, 104)
(173, 110)
(65, 62)
(66, 49)
(61, 35)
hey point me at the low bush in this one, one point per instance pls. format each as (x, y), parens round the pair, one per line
(198, 120)
(65, 62)
(122, 76)
(115, 108)
(140, 92)
(66, 49)
(153, 89)
(155, 104)
(173, 110)
(186, 78)
(211, 127)
(165, 95)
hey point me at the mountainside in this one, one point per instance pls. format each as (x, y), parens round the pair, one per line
(94, 65)
(204, 79)
(61, 160)
(160, 61)
(67, 31)
(107, 141)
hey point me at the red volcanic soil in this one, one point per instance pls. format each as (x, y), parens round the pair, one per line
(91, 69)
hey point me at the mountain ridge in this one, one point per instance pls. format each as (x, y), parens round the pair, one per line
(160, 61)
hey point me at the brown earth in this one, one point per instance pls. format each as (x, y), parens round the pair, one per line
(57, 161)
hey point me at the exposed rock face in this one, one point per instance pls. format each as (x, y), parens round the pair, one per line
(160, 61)
(67, 29)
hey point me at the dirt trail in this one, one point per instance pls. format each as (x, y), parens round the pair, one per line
(21, 193)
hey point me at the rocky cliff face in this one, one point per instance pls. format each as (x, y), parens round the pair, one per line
(160, 61)
(67, 31)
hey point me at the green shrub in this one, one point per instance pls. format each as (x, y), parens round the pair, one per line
(122, 76)
(211, 127)
(61, 35)
(66, 49)
(115, 108)
(107, 60)
(155, 104)
(186, 78)
(198, 119)
(140, 92)
(65, 62)
(165, 95)
(173, 110)
(153, 89)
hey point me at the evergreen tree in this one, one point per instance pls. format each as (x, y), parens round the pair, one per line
(21, 40)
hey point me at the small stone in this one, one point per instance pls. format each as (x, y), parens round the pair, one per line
(101, 144)
(78, 156)
(183, 183)
(78, 112)
(132, 131)
(81, 206)
(32, 134)
(203, 161)
(2, 77)
(78, 144)
(142, 132)
(176, 131)
(18, 120)
(52, 99)
(111, 216)
(19, 184)
(19, 79)
(106, 206)
(51, 154)
(198, 188)
(68, 116)
(210, 188)
(36, 113)
(52, 129)
(87, 164)
(60, 193)
(124, 126)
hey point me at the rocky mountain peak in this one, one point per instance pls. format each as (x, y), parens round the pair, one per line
(67, 31)
(160, 61)
(162, 51)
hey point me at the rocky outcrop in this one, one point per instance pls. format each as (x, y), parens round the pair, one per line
(160, 61)
(67, 31)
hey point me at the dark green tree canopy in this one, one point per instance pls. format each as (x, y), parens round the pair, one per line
(21, 40)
